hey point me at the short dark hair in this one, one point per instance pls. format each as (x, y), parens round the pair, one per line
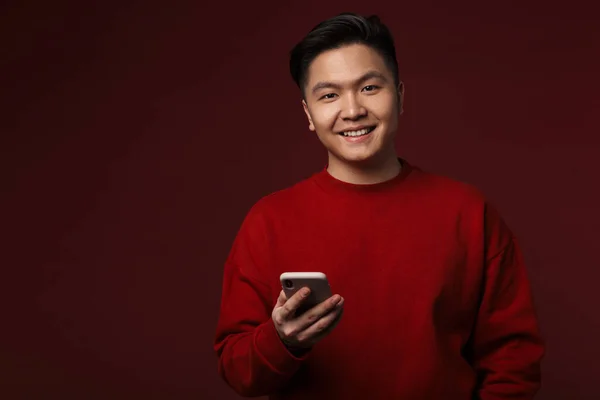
(341, 30)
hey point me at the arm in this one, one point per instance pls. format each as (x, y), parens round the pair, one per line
(252, 359)
(506, 344)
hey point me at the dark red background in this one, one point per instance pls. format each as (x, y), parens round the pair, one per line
(135, 137)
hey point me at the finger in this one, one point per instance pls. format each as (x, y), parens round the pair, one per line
(329, 329)
(324, 312)
(318, 311)
(337, 319)
(323, 325)
(281, 299)
(291, 305)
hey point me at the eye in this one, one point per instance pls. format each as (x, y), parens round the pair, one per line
(328, 96)
(370, 88)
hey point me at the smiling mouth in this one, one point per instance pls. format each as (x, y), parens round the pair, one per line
(360, 132)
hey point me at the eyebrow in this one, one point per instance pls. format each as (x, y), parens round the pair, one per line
(365, 77)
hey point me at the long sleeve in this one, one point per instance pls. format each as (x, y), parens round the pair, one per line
(506, 345)
(251, 357)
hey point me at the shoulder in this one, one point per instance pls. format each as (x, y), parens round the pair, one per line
(283, 201)
(444, 189)
(467, 203)
(444, 195)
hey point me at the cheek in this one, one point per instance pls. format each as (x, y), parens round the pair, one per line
(325, 116)
(383, 108)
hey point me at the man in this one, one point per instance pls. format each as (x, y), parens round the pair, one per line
(436, 302)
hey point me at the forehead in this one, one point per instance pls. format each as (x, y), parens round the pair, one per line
(346, 63)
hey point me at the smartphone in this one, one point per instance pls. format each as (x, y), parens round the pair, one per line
(317, 282)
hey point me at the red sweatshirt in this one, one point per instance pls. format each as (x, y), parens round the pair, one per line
(437, 300)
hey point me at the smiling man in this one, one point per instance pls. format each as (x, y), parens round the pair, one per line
(351, 99)
(432, 297)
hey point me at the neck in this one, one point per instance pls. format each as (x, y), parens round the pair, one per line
(365, 174)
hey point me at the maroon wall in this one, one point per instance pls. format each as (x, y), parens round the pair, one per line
(134, 138)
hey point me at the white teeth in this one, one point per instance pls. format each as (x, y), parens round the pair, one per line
(357, 133)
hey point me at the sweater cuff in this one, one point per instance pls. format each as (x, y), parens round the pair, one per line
(272, 350)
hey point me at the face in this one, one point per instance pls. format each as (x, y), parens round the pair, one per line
(352, 103)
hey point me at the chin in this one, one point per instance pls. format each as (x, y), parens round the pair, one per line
(357, 158)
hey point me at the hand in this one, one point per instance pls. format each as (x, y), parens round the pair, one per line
(305, 330)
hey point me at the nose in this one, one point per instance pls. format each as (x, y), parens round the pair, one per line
(352, 108)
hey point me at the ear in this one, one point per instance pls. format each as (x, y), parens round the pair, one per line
(311, 126)
(401, 97)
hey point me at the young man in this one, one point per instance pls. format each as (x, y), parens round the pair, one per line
(436, 302)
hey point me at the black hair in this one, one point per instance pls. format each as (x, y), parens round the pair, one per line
(342, 30)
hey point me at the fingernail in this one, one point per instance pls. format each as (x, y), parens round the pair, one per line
(336, 299)
(305, 292)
